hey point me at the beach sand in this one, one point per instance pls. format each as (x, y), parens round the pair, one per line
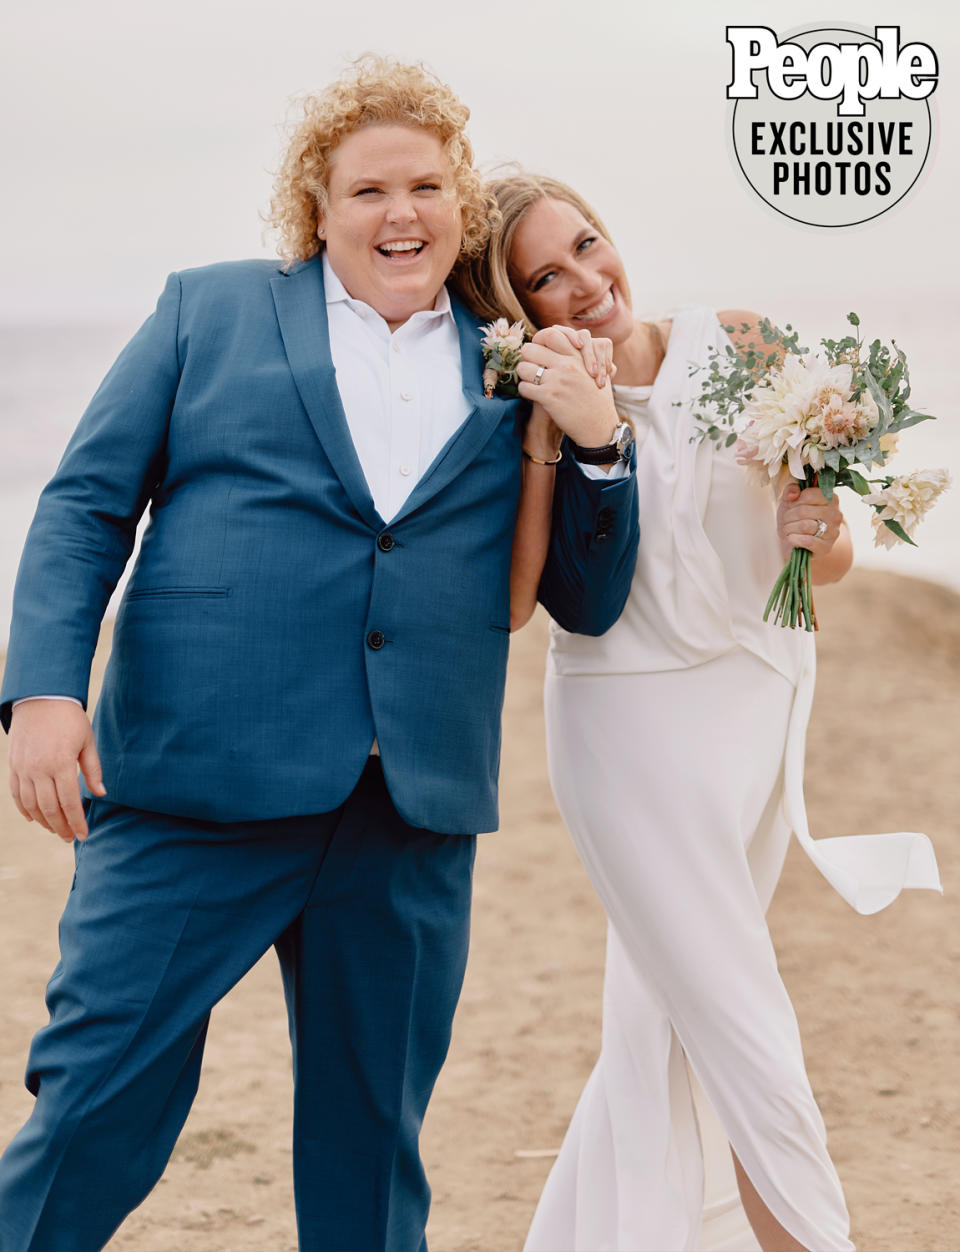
(877, 997)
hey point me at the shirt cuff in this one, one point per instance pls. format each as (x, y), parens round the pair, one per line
(24, 699)
(617, 470)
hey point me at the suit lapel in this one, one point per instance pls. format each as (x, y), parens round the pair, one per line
(302, 314)
(477, 427)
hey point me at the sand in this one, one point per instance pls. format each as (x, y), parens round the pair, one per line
(877, 997)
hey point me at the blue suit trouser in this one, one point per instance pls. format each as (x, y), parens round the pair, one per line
(370, 919)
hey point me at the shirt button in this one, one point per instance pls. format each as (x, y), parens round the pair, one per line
(406, 395)
(404, 469)
(385, 541)
(395, 346)
(376, 640)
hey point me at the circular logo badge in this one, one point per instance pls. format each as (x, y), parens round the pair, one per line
(830, 138)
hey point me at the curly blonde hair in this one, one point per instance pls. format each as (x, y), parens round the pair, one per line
(374, 90)
(483, 280)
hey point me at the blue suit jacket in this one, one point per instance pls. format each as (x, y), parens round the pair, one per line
(274, 623)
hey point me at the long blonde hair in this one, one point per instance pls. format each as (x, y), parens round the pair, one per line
(484, 281)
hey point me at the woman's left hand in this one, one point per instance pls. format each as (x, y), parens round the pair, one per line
(555, 373)
(597, 352)
(807, 519)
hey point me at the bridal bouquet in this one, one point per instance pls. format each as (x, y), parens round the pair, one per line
(501, 344)
(821, 419)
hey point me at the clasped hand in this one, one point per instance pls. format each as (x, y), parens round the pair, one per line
(574, 370)
(799, 517)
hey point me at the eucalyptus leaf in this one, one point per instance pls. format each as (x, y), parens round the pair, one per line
(905, 387)
(857, 482)
(911, 418)
(880, 396)
(898, 531)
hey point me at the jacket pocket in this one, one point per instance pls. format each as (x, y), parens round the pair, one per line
(169, 593)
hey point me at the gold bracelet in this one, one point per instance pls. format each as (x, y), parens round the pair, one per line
(537, 461)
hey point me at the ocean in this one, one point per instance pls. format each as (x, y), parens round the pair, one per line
(49, 372)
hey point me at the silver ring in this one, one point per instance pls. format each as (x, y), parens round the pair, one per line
(541, 370)
(821, 529)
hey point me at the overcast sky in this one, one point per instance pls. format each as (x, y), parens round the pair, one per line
(138, 139)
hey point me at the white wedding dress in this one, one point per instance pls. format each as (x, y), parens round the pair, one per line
(675, 745)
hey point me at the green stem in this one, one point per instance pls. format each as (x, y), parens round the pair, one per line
(814, 624)
(805, 591)
(776, 594)
(786, 607)
(795, 588)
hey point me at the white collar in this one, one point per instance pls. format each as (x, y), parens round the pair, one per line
(336, 293)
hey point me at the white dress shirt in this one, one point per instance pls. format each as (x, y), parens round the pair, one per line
(402, 392)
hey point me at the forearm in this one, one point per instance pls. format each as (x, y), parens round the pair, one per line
(592, 552)
(531, 536)
(531, 541)
(85, 525)
(71, 562)
(832, 566)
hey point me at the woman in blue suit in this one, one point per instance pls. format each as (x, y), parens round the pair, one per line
(299, 725)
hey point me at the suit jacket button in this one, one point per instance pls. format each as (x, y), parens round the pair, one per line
(376, 640)
(386, 541)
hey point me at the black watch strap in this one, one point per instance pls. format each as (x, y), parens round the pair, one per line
(605, 455)
(609, 453)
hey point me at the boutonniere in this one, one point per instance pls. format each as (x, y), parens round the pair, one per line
(501, 345)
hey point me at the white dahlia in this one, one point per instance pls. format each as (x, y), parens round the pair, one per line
(906, 501)
(798, 412)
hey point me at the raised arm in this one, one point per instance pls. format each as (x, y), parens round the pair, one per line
(531, 537)
(591, 549)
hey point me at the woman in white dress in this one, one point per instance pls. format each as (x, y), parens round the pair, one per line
(675, 745)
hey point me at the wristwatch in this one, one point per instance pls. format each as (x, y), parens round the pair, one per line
(618, 449)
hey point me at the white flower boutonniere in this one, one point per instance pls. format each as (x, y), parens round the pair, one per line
(501, 345)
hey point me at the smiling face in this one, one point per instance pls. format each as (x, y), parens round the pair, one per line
(393, 224)
(564, 271)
